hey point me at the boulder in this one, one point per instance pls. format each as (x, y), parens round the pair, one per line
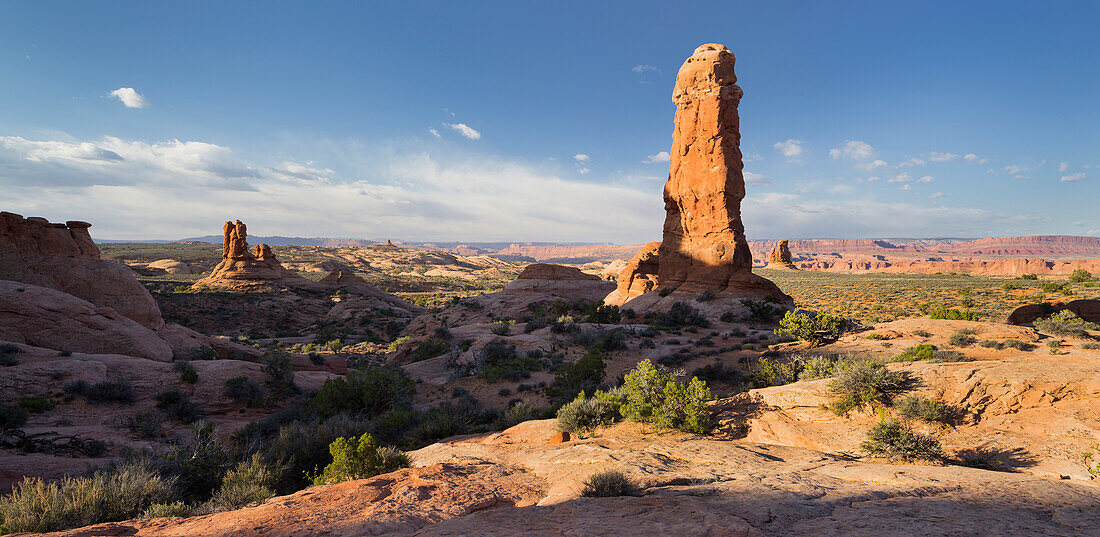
(63, 257)
(638, 277)
(45, 317)
(171, 266)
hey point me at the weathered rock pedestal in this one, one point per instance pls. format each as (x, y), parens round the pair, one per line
(703, 248)
(780, 256)
(239, 265)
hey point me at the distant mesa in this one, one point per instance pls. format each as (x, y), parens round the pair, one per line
(242, 265)
(703, 247)
(780, 256)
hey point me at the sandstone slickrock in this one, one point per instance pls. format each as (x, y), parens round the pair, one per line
(239, 265)
(638, 277)
(550, 278)
(1087, 309)
(63, 257)
(49, 318)
(780, 256)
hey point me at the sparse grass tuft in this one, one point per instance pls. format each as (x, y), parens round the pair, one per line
(609, 483)
(895, 440)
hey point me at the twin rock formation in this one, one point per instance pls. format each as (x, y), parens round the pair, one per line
(241, 265)
(703, 248)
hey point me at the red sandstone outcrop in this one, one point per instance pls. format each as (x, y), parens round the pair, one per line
(63, 257)
(239, 265)
(559, 280)
(638, 277)
(49, 318)
(780, 256)
(171, 266)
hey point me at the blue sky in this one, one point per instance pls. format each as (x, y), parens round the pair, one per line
(515, 121)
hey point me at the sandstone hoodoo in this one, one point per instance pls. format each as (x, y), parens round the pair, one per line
(241, 265)
(703, 248)
(780, 256)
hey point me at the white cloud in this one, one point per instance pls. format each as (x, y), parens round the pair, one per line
(582, 170)
(752, 157)
(901, 178)
(878, 163)
(1063, 166)
(640, 69)
(663, 156)
(130, 97)
(464, 130)
(937, 195)
(580, 157)
(911, 163)
(972, 158)
(152, 190)
(755, 179)
(854, 150)
(435, 133)
(873, 178)
(907, 187)
(925, 179)
(1013, 169)
(792, 150)
(1073, 178)
(936, 156)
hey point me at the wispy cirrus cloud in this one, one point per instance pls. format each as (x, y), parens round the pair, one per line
(464, 130)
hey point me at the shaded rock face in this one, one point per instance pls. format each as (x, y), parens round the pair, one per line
(550, 271)
(1088, 309)
(638, 277)
(63, 257)
(49, 318)
(240, 265)
(780, 256)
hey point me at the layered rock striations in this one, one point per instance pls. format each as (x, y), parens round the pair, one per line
(703, 248)
(638, 277)
(242, 265)
(63, 257)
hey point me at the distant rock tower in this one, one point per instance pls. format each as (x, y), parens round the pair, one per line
(780, 256)
(240, 264)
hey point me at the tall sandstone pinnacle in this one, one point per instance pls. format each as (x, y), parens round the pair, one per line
(239, 265)
(780, 256)
(704, 246)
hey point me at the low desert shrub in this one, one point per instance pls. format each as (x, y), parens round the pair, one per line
(244, 390)
(962, 338)
(178, 406)
(165, 510)
(145, 425)
(1057, 287)
(502, 328)
(679, 315)
(584, 375)
(279, 367)
(12, 416)
(251, 481)
(953, 314)
(1091, 346)
(189, 375)
(122, 492)
(498, 361)
(817, 329)
(651, 395)
(1054, 345)
(609, 483)
(924, 351)
(1019, 345)
(7, 354)
(1065, 323)
(430, 349)
(584, 414)
(108, 391)
(359, 458)
(370, 392)
(770, 372)
(916, 407)
(991, 344)
(896, 440)
(717, 372)
(1080, 276)
(818, 367)
(36, 404)
(866, 382)
(1027, 276)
